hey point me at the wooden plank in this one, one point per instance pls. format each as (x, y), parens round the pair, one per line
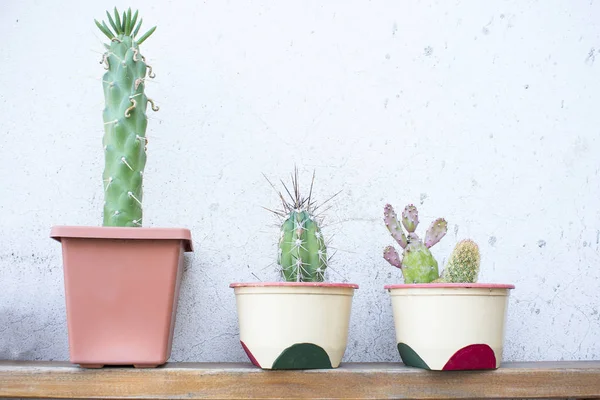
(26, 379)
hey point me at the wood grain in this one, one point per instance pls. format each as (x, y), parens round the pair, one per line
(579, 379)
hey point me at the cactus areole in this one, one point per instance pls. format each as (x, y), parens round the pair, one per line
(125, 118)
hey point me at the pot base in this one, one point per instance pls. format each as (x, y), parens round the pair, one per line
(98, 366)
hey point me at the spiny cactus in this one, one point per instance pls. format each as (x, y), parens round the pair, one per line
(302, 248)
(463, 265)
(125, 118)
(417, 263)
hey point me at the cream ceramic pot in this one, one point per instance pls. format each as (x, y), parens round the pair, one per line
(289, 325)
(450, 326)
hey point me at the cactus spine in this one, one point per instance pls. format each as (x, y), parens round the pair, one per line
(125, 119)
(302, 248)
(463, 265)
(417, 263)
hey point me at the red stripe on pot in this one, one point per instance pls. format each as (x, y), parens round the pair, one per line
(250, 356)
(474, 356)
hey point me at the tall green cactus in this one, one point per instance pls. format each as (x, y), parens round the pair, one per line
(125, 118)
(302, 249)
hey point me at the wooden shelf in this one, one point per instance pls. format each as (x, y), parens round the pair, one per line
(28, 379)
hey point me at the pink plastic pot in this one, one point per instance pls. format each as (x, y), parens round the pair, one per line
(121, 290)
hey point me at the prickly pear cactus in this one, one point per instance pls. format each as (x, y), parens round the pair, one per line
(463, 265)
(417, 263)
(302, 248)
(125, 118)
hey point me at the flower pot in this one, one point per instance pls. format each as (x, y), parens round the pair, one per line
(289, 325)
(121, 290)
(450, 326)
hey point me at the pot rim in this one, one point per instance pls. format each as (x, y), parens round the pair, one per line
(293, 284)
(450, 285)
(114, 232)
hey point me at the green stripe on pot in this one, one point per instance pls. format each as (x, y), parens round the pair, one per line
(303, 356)
(410, 357)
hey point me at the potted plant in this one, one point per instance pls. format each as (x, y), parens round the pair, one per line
(301, 323)
(122, 280)
(446, 322)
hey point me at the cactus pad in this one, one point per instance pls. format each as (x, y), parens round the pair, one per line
(418, 264)
(391, 222)
(410, 218)
(391, 255)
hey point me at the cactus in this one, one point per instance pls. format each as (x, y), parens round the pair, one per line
(463, 265)
(417, 263)
(125, 118)
(302, 248)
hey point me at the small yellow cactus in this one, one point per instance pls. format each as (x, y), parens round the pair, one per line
(463, 265)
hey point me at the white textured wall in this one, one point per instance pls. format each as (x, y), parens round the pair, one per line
(486, 113)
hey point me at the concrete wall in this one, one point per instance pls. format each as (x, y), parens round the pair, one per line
(485, 113)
